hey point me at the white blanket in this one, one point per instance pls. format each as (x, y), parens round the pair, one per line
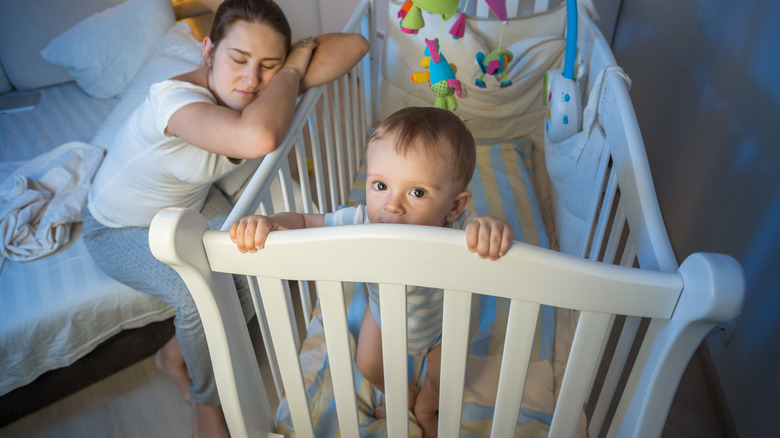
(42, 198)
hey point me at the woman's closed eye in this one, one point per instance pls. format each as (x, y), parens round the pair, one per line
(418, 192)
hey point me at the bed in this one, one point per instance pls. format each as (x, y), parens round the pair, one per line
(583, 329)
(56, 306)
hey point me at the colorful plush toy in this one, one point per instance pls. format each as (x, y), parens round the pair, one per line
(494, 64)
(411, 12)
(440, 76)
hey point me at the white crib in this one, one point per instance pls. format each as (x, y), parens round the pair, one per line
(639, 316)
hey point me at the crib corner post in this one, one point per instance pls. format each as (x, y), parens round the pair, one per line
(176, 238)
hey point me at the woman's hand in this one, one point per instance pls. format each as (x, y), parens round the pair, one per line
(300, 55)
(489, 236)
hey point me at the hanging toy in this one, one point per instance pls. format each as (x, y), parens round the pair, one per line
(497, 61)
(412, 19)
(494, 64)
(440, 76)
(459, 27)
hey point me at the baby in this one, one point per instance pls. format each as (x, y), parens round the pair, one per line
(419, 162)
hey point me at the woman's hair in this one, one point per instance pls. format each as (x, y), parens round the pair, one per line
(436, 131)
(252, 11)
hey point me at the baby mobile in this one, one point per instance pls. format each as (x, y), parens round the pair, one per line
(441, 74)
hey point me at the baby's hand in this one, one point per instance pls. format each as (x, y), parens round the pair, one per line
(489, 236)
(250, 232)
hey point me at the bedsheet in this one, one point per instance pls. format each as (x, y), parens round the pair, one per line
(502, 186)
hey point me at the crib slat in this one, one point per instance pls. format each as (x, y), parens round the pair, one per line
(274, 297)
(348, 128)
(540, 5)
(606, 208)
(303, 174)
(655, 327)
(455, 342)
(356, 124)
(615, 233)
(523, 318)
(329, 155)
(287, 190)
(316, 157)
(338, 127)
(580, 367)
(334, 318)
(268, 342)
(593, 209)
(291, 313)
(616, 366)
(392, 302)
(600, 355)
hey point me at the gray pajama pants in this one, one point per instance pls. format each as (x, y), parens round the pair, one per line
(124, 255)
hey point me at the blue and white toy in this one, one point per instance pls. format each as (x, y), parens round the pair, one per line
(560, 91)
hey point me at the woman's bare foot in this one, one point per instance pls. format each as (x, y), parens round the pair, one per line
(170, 362)
(208, 422)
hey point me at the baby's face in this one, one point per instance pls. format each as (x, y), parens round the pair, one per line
(412, 189)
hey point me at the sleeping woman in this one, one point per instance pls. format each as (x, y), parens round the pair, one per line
(191, 130)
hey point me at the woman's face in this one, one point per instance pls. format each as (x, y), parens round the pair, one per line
(244, 62)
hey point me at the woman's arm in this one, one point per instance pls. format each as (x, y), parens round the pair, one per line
(336, 54)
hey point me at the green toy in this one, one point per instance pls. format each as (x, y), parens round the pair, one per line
(411, 15)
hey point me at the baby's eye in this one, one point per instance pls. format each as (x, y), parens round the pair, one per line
(418, 193)
(379, 185)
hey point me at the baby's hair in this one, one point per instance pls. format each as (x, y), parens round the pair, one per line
(251, 11)
(434, 130)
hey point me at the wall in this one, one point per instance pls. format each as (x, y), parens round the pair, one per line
(707, 97)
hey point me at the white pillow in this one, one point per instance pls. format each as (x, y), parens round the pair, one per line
(176, 53)
(104, 51)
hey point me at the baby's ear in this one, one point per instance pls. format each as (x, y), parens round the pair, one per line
(458, 205)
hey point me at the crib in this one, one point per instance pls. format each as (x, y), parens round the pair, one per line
(583, 329)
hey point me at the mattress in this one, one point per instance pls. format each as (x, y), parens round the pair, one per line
(64, 113)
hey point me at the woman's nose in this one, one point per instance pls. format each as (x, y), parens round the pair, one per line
(251, 76)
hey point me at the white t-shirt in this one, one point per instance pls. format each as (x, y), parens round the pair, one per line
(146, 171)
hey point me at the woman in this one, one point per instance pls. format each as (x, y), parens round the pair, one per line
(190, 131)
